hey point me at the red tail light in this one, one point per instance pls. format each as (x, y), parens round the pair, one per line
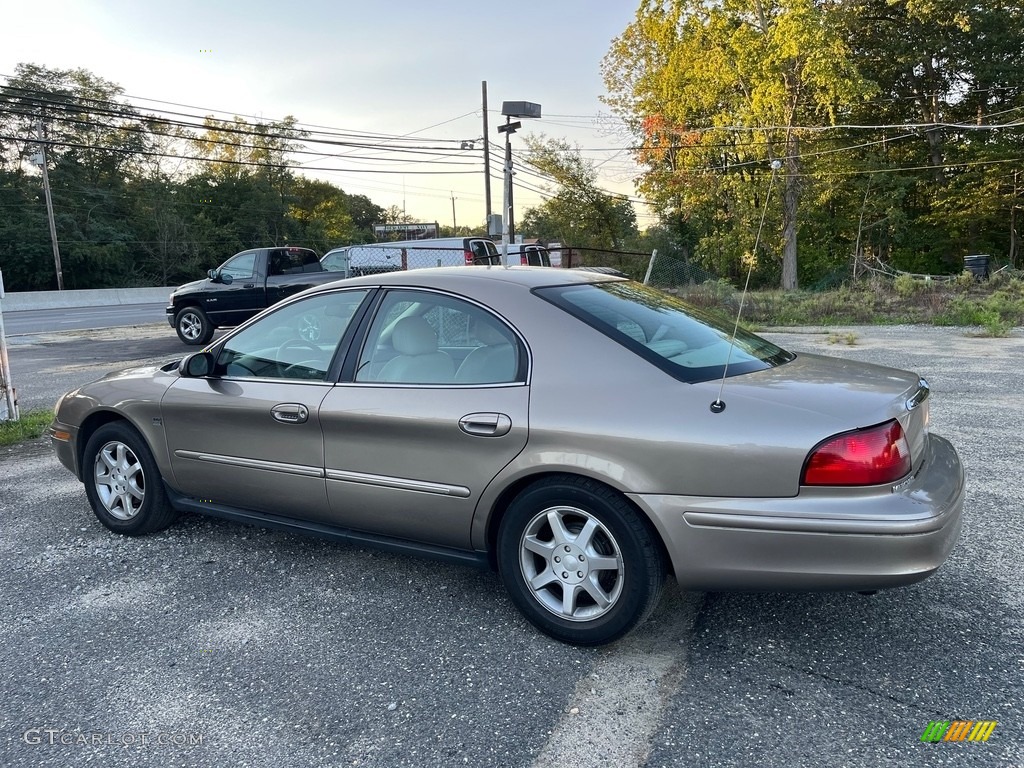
(523, 261)
(866, 457)
(469, 257)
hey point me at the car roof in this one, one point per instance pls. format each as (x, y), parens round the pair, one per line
(468, 276)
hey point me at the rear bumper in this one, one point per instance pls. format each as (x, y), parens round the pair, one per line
(821, 539)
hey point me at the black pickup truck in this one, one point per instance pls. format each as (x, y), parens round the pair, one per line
(242, 286)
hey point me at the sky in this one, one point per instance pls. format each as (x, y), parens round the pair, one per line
(398, 67)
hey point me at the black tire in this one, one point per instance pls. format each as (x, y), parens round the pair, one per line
(193, 326)
(123, 483)
(598, 527)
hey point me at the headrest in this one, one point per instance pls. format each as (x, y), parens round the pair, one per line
(487, 334)
(414, 336)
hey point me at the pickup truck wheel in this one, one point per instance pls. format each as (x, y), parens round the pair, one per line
(193, 326)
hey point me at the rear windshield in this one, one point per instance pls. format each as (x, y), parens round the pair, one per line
(683, 341)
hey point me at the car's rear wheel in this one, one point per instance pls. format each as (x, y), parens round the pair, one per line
(193, 326)
(579, 561)
(123, 483)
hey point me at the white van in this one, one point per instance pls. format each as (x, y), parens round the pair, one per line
(527, 255)
(411, 254)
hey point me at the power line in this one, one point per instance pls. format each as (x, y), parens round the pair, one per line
(281, 165)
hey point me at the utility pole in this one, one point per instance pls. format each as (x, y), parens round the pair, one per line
(454, 225)
(49, 205)
(508, 228)
(512, 109)
(487, 161)
(1013, 222)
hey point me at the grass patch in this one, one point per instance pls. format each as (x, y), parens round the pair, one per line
(996, 306)
(31, 425)
(849, 338)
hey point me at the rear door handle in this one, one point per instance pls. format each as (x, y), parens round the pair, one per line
(485, 424)
(290, 413)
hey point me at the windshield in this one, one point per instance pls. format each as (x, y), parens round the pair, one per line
(681, 340)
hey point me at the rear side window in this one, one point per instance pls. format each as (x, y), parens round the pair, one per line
(419, 337)
(293, 261)
(681, 340)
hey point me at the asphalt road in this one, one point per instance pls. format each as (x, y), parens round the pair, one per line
(219, 644)
(32, 321)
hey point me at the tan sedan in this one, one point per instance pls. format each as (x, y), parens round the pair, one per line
(583, 434)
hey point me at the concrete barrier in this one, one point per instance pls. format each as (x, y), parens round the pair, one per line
(22, 300)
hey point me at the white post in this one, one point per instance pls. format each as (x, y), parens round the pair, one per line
(650, 266)
(9, 403)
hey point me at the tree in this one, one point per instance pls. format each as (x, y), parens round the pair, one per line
(321, 210)
(953, 69)
(716, 89)
(579, 212)
(83, 118)
(94, 144)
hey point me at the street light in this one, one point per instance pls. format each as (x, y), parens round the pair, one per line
(512, 109)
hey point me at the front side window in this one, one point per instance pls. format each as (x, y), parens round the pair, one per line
(419, 337)
(241, 266)
(681, 340)
(297, 341)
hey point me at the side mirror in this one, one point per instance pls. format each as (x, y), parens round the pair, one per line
(196, 366)
(220, 277)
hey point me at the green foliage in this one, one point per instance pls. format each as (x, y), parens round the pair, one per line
(995, 310)
(907, 285)
(713, 90)
(124, 220)
(965, 280)
(31, 425)
(579, 212)
(997, 313)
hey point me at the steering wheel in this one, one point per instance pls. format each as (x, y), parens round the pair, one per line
(291, 368)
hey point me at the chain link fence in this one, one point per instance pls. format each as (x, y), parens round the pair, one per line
(373, 259)
(678, 276)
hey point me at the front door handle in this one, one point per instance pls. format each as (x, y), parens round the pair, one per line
(290, 413)
(485, 424)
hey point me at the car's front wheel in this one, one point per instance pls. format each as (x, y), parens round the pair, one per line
(579, 561)
(123, 483)
(193, 326)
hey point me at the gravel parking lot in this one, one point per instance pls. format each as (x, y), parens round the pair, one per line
(214, 644)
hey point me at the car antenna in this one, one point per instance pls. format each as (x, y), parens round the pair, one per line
(718, 404)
